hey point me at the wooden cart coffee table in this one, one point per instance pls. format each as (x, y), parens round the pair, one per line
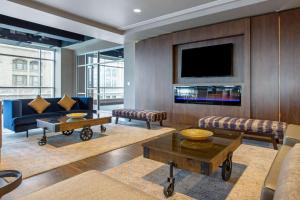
(202, 157)
(67, 125)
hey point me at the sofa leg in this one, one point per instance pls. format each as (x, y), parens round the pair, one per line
(148, 125)
(117, 119)
(27, 134)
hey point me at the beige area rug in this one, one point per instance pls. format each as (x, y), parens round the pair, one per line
(26, 155)
(250, 167)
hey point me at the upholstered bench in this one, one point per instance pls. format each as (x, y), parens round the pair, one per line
(272, 131)
(91, 185)
(145, 115)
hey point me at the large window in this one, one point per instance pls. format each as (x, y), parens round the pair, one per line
(26, 72)
(101, 75)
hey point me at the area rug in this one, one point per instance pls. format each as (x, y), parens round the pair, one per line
(26, 155)
(251, 165)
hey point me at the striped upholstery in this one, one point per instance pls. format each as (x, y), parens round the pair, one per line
(247, 125)
(147, 115)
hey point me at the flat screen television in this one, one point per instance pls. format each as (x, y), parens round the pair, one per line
(209, 61)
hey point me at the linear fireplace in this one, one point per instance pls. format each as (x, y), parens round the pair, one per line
(212, 95)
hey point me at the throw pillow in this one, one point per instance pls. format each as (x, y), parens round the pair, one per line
(66, 102)
(39, 104)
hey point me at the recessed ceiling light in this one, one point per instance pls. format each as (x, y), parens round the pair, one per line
(137, 10)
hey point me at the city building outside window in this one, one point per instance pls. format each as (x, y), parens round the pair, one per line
(26, 72)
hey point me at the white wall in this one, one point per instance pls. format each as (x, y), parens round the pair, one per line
(129, 83)
(65, 72)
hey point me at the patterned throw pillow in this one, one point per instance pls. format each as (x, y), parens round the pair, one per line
(66, 102)
(39, 104)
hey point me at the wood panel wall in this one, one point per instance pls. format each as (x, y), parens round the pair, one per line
(290, 66)
(265, 67)
(153, 74)
(271, 80)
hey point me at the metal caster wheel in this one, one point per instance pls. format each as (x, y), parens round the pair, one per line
(227, 168)
(43, 141)
(86, 134)
(68, 132)
(103, 129)
(169, 190)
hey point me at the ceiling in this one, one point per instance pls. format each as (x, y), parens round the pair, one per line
(119, 13)
(115, 21)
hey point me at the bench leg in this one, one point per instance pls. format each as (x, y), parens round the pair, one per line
(148, 125)
(27, 134)
(117, 119)
(274, 142)
(161, 123)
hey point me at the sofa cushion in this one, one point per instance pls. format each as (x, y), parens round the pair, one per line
(292, 135)
(29, 119)
(39, 104)
(288, 187)
(92, 185)
(270, 183)
(66, 102)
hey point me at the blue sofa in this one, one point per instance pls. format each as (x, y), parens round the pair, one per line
(19, 117)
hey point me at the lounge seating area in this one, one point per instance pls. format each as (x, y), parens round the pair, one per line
(159, 99)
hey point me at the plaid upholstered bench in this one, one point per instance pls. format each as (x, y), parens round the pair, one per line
(265, 130)
(145, 115)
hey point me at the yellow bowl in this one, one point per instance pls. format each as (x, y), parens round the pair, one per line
(196, 145)
(76, 115)
(196, 134)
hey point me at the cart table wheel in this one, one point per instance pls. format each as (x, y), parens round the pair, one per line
(169, 190)
(103, 128)
(68, 132)
(227, 168)
(86, 134)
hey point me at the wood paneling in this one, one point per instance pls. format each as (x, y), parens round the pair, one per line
(290, 66)
(265, 67)
(270, 87)
(153, 74)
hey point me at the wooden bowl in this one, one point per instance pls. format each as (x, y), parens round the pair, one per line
(196, 134)
(76, 115)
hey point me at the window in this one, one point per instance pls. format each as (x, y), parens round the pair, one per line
(34, 81)
(19, 64)
(26, 72)
(101, 76)
(34, 66)
(19, 80)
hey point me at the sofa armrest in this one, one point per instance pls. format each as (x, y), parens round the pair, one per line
(11, 110)
(292, 135)
(85, 103)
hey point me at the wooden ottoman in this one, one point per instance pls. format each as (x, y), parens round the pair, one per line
(144, 115)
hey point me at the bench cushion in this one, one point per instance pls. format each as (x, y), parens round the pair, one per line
(90, 185)
(147, 115)
(266, 127)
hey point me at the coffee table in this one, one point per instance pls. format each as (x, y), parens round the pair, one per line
(67, 125)
(201, 157)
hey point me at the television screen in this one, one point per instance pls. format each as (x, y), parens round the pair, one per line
(210, 61)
